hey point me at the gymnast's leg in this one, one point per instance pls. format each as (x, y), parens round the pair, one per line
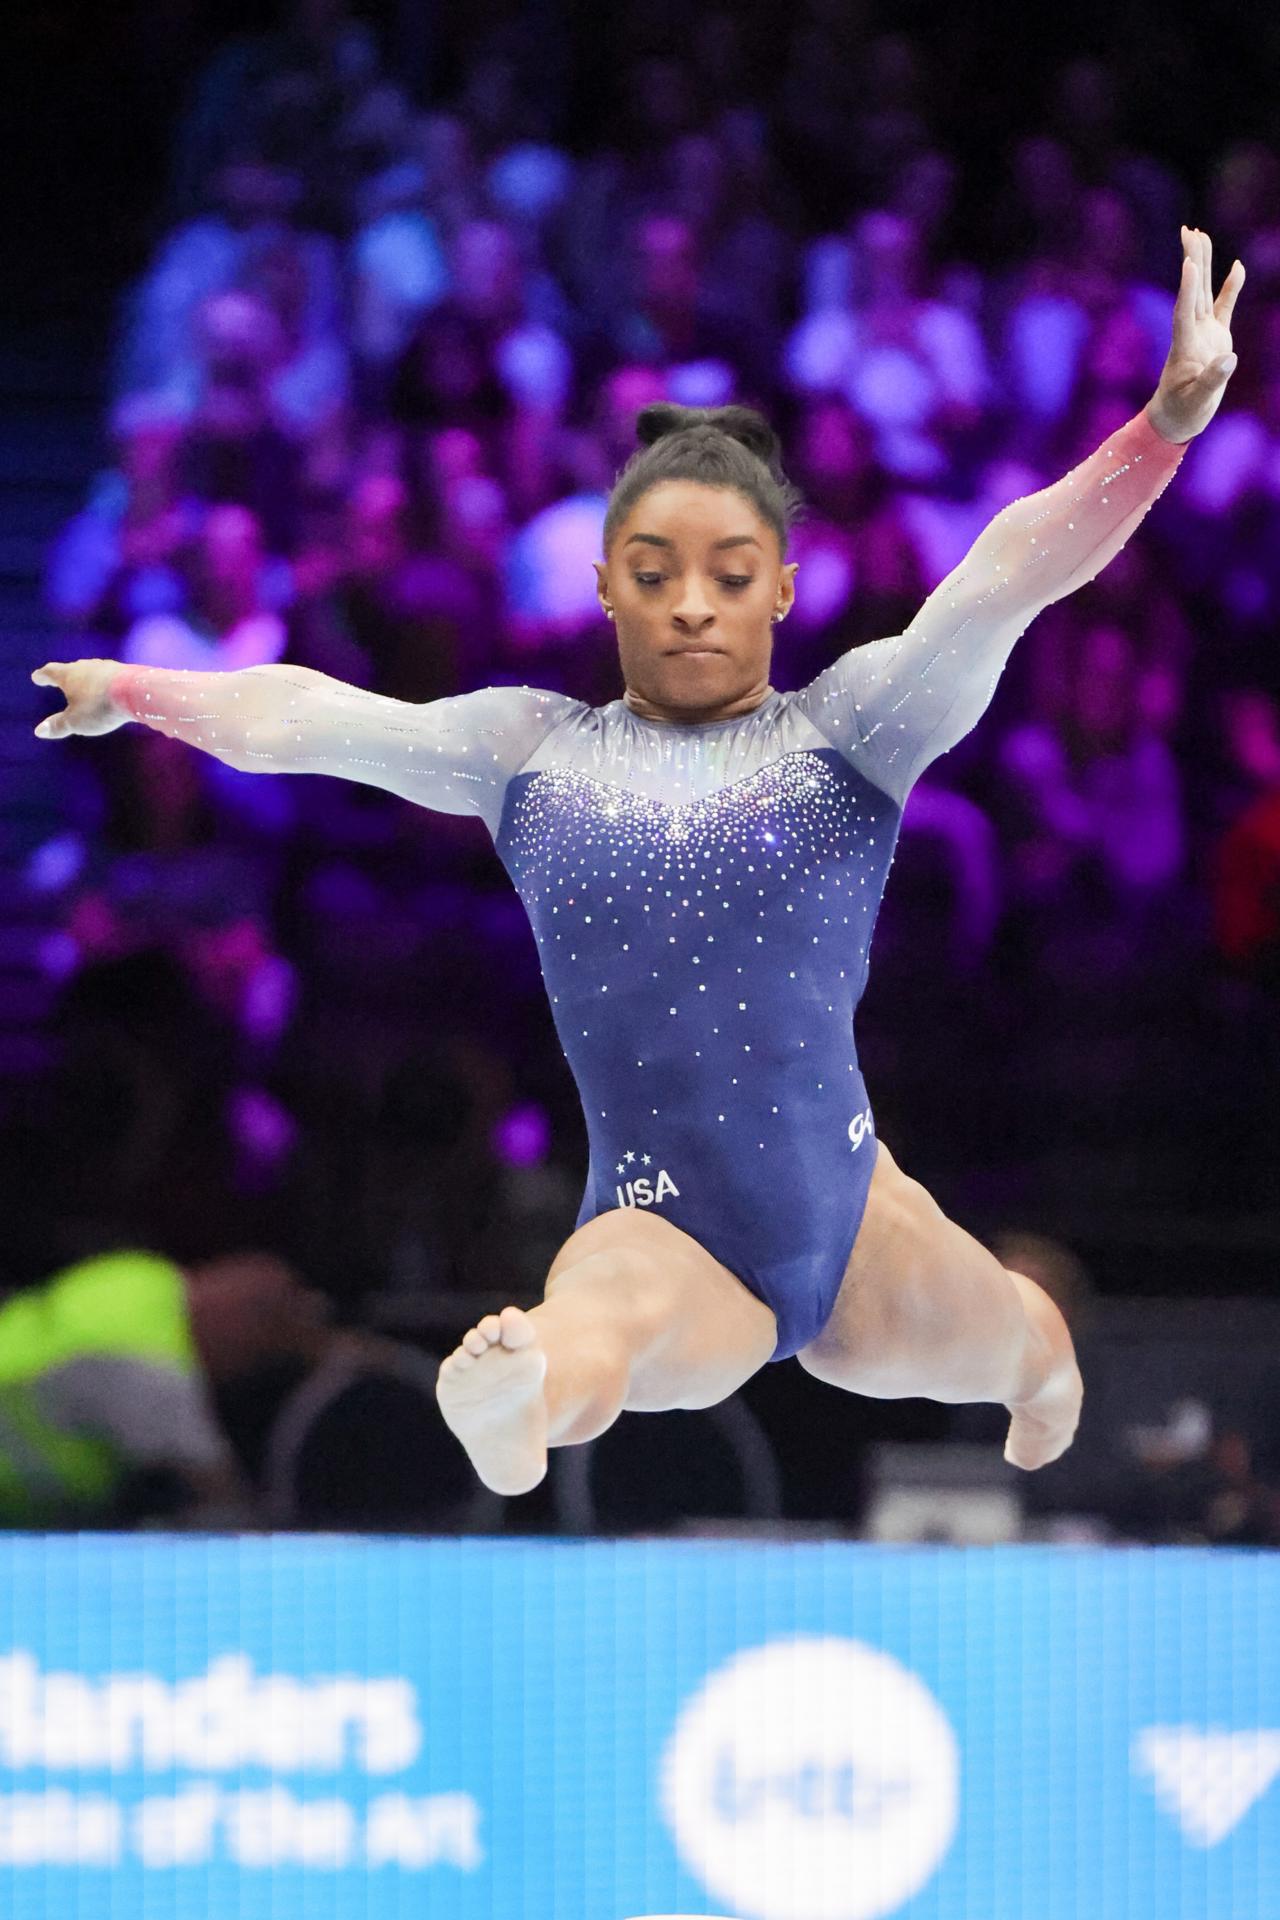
(925, 1310)
(636, 1316)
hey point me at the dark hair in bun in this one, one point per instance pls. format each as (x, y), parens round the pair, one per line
(719, 446)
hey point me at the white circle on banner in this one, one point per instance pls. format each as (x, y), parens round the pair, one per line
(814, 1778)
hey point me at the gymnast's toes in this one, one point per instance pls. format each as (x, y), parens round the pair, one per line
(1042, 1430)
(490, 1392)
(512, 1328)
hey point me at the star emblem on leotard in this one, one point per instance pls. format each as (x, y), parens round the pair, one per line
(628, 1157)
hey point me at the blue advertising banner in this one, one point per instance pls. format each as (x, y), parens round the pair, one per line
(255, 1728)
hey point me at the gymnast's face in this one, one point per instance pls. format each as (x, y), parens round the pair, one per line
(694, 579)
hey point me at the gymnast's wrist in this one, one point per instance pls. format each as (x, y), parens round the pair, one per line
(1160, 423)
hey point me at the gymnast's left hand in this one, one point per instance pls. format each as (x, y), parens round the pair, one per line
(1200, 358)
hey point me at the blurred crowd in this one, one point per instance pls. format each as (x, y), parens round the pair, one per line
(369, 396)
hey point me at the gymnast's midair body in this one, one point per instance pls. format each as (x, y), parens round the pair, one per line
(702, 862)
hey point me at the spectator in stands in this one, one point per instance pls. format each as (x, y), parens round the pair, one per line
(444, 142)
(368, 133)
(446, 377)
(120, 558)
(253, 206)
(492, 99)
(154, 804)
(834, 463)
(818, 83)
(1232, 520)
(1095, 832)
(1201, 1491)
(123, 1372)
(662, 310)
(1246, 767)
(738, 239)
(1246, 871)
(392, 616)
(100, 1378)
(237, 447)
(147, 1102)
(298, 276)
(248, 91)
(875, 331)
(229, 622)
(456, 1191)
(107, 1371)
(396, 269)
(955, 887)
(601, 445)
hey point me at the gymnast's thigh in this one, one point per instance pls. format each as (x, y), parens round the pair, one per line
(904, 1241)
(708, 1333)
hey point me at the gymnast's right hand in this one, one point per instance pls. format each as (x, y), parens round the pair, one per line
(89, 708)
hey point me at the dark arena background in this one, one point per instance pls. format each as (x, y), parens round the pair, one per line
(325, 330)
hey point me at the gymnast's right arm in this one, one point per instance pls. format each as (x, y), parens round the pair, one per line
(455, 755)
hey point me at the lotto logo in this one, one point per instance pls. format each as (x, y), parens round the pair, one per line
(860, 1126)
(812, 1778)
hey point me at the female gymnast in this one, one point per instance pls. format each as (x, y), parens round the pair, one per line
(702, 861)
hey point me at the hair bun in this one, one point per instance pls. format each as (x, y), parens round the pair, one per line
(739, 423)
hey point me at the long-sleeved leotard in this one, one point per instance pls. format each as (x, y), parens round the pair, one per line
(703, 896)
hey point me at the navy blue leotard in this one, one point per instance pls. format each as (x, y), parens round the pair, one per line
(703, 896)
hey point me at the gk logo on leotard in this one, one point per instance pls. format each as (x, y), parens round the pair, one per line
(860, 1126)
(643, 1192)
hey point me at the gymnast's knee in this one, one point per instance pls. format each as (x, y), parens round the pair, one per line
(622, 1291)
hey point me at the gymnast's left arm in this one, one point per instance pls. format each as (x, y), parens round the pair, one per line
(894, 705)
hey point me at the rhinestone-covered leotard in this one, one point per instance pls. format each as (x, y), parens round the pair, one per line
(703, 896)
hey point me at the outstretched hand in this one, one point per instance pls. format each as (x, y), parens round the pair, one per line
(87, 686)
(1200, 359)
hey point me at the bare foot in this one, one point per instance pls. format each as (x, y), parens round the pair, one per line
(1044, 1424)
(1043, 1428)
(490, 1393)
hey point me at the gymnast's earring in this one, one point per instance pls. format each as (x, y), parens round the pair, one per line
(608, 613)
